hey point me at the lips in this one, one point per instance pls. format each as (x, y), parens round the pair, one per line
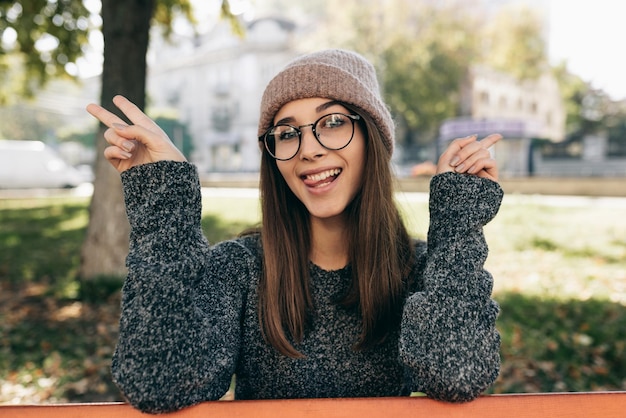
(321, 178)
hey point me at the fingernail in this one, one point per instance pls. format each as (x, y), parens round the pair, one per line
(459, 168)
(119, 126)
(126, 155)
(455, 161)
(128, 146)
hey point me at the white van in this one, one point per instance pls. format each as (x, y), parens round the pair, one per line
(33, 164)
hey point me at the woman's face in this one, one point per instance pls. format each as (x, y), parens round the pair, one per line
(324, 180)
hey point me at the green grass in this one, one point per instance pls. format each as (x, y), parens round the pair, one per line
(40, 240)
(552, 345)
(560, 278)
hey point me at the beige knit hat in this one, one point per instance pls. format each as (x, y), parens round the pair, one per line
(334, 74)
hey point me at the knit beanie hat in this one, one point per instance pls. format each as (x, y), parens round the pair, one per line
(334, 74)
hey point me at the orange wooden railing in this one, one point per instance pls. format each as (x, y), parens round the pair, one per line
(552, 405)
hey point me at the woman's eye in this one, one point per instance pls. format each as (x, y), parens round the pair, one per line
(334, 121)
(289, 134)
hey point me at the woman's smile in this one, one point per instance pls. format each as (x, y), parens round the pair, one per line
(322, 178)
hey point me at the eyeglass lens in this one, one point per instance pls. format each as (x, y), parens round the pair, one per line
(333, 131)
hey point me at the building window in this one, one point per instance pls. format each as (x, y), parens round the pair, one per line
(221, 118)
(484, 98)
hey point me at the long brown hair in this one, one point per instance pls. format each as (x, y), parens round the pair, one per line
(379, 252)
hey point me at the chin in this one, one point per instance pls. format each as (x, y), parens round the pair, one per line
(326, 213)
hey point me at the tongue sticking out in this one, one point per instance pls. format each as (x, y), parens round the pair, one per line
(320, 183)
(321, 179)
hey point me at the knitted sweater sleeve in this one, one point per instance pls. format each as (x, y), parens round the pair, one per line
(449, 344)
(181, 304)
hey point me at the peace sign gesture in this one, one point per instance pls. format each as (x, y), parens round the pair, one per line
(131, 145)
(470, 156)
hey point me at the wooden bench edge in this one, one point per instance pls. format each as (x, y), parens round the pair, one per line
(553, 405)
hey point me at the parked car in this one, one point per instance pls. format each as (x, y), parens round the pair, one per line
(33, 164)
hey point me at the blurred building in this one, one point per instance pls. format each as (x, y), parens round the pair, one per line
(537, 104)
(530, 114)
(519, 110)
(215, 83)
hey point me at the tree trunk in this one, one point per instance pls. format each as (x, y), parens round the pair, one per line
(126, 27)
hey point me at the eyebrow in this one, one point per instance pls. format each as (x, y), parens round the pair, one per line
(318, 109)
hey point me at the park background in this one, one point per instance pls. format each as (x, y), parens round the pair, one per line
(559, 262)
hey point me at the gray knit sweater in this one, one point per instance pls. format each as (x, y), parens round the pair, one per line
(189, 310)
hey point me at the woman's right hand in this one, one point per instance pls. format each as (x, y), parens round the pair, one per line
(131, 145)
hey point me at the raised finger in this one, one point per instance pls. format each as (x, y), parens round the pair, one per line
(464, 153)
(455, 146)
(133, 112)
(460, 143)
(470, 148)
(103, 115)
(489, 140)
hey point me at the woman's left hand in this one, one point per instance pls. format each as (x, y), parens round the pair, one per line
(470, 156)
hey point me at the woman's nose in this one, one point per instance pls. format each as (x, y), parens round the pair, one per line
(310, 148)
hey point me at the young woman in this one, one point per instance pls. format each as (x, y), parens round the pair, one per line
(331, 297)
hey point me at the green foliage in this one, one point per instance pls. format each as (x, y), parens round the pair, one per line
(167, 10)
(591, 111)
(552, 345)
(436, 67)
(421, 86)
(235, 23)
(573, 89)
(41, 242)
(515, 43)
(49, 34)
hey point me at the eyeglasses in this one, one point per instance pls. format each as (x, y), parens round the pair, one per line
(333, 132)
